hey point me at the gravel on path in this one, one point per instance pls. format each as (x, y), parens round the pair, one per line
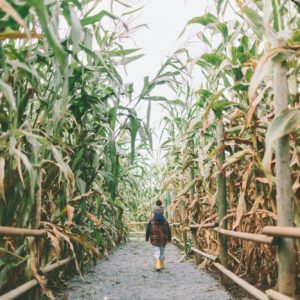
(128, 274)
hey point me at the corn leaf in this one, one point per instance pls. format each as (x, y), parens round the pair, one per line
(285, 123)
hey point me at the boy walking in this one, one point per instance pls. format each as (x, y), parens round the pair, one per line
(159, 233)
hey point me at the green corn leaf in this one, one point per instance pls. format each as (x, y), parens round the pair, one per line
(220, 105)
(53, 41)
(219, 5)
(255, 21)
(77, 35)
(240, 86)
(122, 3)
(17, 64)
(127, 60)
(78, 156)
(123, 52)
(203, 20)
(213, 58)
(132, 11)
(149, 135)
(146, 87)
(92, 20)
(202, 37)
(156, 98)
(276, 15)
(134, 126)
(112, 116)
(8, 94)
(222, 27)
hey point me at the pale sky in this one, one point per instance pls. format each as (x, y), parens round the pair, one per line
(166, 19)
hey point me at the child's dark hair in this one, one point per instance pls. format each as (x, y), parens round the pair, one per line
(158, 203)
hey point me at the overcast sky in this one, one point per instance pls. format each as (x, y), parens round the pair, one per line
(166, 19)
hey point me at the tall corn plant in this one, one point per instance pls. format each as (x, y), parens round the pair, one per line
(64, 109)
(237, 86)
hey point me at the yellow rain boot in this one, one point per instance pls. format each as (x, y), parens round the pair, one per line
(157, 265)
(162, 264)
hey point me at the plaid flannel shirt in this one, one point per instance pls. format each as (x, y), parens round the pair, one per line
(159, 232)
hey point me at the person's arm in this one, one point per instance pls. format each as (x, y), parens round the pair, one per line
(148, 231)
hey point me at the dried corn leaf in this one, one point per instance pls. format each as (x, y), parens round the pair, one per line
(70, 214)
(84, 195)
(285, 123)
(237, 157)
(93, 218)
(263, 68)
(241, 208)
(88, 245)
(65, 237)
(33, 266)
(55, 243)
(8, 9)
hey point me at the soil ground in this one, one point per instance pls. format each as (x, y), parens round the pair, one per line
(128, 274)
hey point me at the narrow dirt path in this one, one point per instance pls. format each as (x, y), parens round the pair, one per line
(128, 274)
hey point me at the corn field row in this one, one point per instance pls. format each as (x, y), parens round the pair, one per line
(244, 44)
(73, 149)
(71, 141)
